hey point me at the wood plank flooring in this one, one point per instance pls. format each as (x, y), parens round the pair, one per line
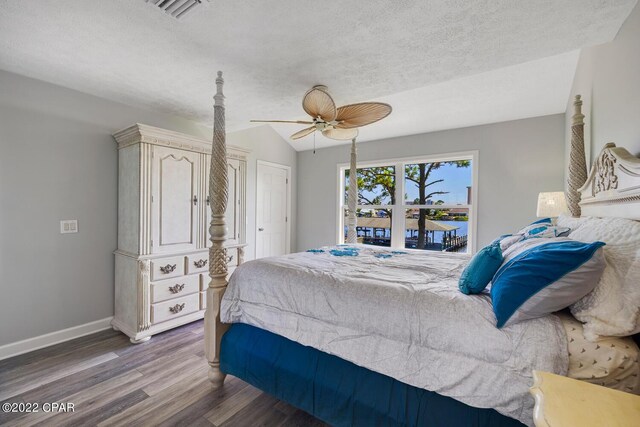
(112, 382)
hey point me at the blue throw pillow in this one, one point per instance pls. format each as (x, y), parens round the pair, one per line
(478, 273)
(541, 276)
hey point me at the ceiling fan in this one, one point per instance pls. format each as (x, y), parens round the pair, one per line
(339, 123)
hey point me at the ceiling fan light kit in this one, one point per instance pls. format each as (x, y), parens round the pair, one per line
(336, 123)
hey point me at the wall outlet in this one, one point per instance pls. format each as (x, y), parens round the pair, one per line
(68, 226)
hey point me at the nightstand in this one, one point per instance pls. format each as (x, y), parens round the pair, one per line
(565, 402)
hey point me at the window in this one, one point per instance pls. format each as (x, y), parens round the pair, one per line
(423, 203)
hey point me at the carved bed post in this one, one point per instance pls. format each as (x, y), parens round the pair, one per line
(577, 161)
(218, 181)
(352, 236)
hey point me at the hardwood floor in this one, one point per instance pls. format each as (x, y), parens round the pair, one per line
(111, 382)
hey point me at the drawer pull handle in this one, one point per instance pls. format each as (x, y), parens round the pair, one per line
(176, 308)
(229, 258)
(168, 268)
(177, 288)
(200, 263)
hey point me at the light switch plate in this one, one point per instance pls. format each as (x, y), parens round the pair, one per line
(68, 226)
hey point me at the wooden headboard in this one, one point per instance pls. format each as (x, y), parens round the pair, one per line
(612, 188)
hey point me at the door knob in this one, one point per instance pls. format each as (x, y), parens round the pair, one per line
(260, 229)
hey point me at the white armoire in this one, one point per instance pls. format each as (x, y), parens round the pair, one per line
(161, 270)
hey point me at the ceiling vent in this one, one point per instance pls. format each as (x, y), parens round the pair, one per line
(177, 8)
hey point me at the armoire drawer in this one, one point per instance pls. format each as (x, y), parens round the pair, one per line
(232, 257)
(173, 288)
(197, 263)
(203, 300)
(164, 268)
(204, 283)
(174, 308)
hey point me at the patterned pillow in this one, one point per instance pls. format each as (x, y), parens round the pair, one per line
(544, 230)
(507, 240)
(543, 221)
(541, 276)
(610, 361)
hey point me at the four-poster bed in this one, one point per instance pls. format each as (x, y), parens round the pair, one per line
(352, 221)
(218, 184)
(218, 187)
(297, 335)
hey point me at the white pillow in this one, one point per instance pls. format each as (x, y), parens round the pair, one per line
(571, 222)
(613, 307)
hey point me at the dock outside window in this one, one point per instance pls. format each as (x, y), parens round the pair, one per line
(425, 203)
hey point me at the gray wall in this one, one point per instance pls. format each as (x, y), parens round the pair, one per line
(265, 144)
(608, 78)
(59, 161)
(517, 160)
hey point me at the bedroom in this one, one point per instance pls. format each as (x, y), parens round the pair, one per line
(494, 80)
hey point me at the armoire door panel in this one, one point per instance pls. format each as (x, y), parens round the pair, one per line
(176, 209)
(233, 214)
(233, 172)
(174, 202)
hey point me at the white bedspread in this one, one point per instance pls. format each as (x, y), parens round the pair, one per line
(401, 316)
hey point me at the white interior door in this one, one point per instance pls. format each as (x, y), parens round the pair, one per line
(174, 204)
(272, 210)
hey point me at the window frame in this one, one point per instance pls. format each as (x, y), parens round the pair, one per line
(398, 210)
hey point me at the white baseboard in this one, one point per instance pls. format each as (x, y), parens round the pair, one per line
(35, 343)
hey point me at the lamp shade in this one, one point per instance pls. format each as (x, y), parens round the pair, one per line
(551, 204)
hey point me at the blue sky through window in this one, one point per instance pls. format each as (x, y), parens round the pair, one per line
(456, 181)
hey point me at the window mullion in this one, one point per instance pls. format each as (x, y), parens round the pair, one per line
(397, 221)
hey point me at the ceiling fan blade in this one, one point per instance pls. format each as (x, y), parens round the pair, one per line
(340, 134)
(299, 122)
(318, 103)
(362, 114)
(303, 132)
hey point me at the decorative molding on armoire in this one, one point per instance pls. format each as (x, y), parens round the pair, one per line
(140, 133)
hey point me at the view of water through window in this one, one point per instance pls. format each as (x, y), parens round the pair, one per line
(436, 204)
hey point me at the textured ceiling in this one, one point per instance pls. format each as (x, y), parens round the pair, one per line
(272, 51)
(532, 89)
